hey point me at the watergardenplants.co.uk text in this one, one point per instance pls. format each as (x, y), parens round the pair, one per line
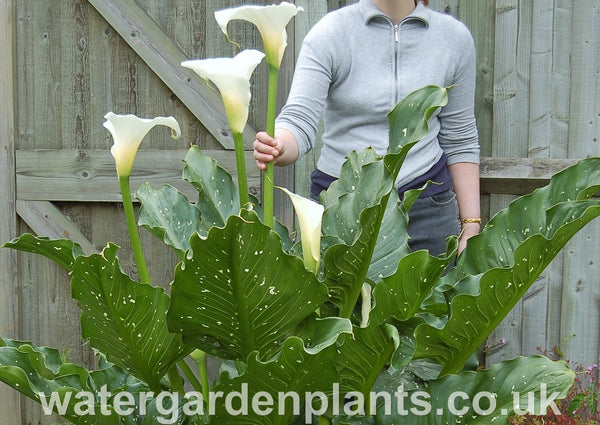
(170, 405)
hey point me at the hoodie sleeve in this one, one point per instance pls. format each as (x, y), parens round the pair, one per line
(458, 135)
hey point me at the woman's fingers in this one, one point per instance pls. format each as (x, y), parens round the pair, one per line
(265, 149)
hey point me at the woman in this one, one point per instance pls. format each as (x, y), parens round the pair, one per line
(355, 64)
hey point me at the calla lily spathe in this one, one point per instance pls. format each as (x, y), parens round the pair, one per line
(232, 78)
(128, 131)
(310, 217)
(271, 22)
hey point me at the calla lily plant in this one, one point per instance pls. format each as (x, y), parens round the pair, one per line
(241, 294)
(232, 78)
(270, 22)
(128, 131)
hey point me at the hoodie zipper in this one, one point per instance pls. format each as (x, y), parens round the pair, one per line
(396, 56)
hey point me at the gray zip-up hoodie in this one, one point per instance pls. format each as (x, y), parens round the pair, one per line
(355, 65)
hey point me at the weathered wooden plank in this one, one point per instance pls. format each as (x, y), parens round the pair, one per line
(580, 320)
(537, 307)
(584, 118)
(47, 220)
(445, 6)
(479, 16)
(518, 176)
(540, 94)
(75, 78)
(9, 284)
(561, 78)
(24, 98)
(89, 176)
(164, 57)
(46, 70)
(511, 73)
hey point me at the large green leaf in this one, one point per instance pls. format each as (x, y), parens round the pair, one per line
(41, 373)
(124, 319)
(356, 203)
(355, 218)
(484, 396)
(217, 193)
(392, 241)
(363, 183)
(238, 291)
(297, 368)
(400, 295)
(527, 216)
(525, 238)
(171, 217)
(364, 355)
(168, 215)
(409, 121)
(62, 251)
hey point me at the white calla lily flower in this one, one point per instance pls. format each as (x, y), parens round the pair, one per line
(271, 22)
(232, 78)
(128, 131)
(310, 217)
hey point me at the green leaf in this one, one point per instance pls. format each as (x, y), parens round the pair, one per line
(217, 193)
(40, 372)
(62, 251)
(296, 368)
(400, 296)
(355, 218)
(576, 403)
(409, 121)
(362, 357)
(526, 216)
(123, 319)
(168, 215)
(525, 238)
(240, 292)
(474, 317)
(392, 241)
(485, 396)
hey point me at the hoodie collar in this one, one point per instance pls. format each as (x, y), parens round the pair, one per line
(369, 11)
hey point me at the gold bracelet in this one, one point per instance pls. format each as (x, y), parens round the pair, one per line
(470, 220)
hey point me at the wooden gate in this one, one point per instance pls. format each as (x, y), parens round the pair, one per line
(65, 63)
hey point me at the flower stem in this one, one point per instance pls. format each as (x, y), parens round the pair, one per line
(240, 163)
(199, 357)
(268, 178)
(134, 236)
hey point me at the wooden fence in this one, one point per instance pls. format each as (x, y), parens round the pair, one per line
(65, 63)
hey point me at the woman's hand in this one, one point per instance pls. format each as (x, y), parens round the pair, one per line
(266, 149)
(468, 230)
(281, 150)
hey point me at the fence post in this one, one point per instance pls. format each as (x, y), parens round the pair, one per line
(9, 399)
